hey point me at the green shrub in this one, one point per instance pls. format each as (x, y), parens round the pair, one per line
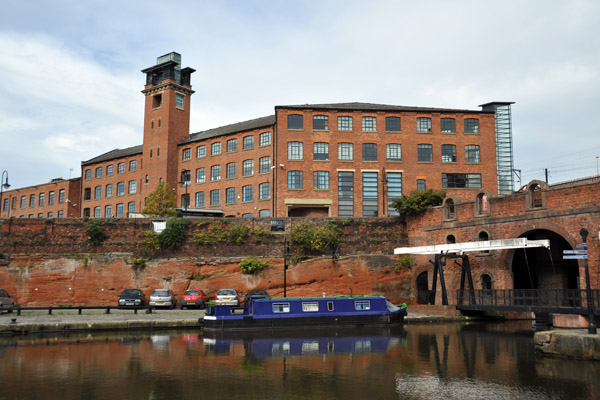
(252, 265)
(260, 234)
(406, 262)
(150, 242)
(95, 232)
(237, 234)
(314, 238)
(418, 201)
(174, 234)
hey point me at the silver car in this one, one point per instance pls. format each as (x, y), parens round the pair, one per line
(163, 298)
(6, 301)
(227, 297)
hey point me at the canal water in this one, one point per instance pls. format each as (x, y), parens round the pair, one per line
(431, 361)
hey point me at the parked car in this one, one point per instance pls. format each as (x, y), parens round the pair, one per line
(163, 298)
(227, 297)
(131, 298)
(193, 298)
(6, 301)
(256, 293)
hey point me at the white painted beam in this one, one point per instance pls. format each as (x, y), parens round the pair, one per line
(465, 247)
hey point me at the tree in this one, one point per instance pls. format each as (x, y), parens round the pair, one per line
(161, 202)
(418, 201)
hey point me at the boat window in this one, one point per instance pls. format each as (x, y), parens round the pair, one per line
(310, 307)
(281, 307)
(330, 305)
(362, 305)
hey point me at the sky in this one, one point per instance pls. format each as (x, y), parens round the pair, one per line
(70, 80)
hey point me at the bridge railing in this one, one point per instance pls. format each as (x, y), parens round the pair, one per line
(551, 300)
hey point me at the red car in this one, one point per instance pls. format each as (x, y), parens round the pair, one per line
(193, 298)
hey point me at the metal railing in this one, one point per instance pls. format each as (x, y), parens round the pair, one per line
(79, 309)
(561, 301)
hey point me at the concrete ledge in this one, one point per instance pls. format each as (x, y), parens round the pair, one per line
(49, 327)
(568, 343)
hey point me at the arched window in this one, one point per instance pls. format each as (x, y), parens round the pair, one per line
(449, 209)
(481, 203)
(422, 289)
(450, 239)
(536, 194)
(483, 236)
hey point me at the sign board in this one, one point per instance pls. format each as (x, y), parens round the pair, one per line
(576, 257)
(575, 252)
(581, 245)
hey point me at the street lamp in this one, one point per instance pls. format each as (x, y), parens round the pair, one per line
(4, 185)
(185, 202)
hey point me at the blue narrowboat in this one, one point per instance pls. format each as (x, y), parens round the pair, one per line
(262, 312)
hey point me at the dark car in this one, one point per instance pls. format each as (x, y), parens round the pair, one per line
(193, 298)
(131, 298)
(256, 293)
(6, 301)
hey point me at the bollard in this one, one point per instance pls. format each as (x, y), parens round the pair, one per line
(135, 310)
(18, 311)
(79, 310)
(50, 310)
(108, 310)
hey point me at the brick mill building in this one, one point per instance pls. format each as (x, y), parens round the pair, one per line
(345, 159)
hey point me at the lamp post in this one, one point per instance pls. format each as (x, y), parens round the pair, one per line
(186, 198)
(4, 185)
(590, 301)
(286, 254)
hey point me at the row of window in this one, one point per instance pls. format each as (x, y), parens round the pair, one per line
(359, 305)
(231, 195)
(369, 124)
(108, 210)
(60, 214)
(108, 190)
(32, 197)
(393, 152)
(231, 146)
(231, 171)
(110, 170)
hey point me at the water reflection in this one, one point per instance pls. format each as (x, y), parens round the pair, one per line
(451, 361)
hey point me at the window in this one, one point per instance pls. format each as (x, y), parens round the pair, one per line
(230, 195)
(98, 192)
(61, 214)
(392, 124)
(264, 213)
(120, 188)
(295, 180)
(394, 191)
(156, 100)
(330, 306)
(186, 177)
(449, 212)
(248, 168)
(88, 174)
(295, 121)
(87, 194)
(215, 197)
(215, 149)
(231, 170)
(133, 186)
(423, 124)
(320, 123)
(61, 196)
(468, 181)
(247, 193)
(264, 139)
(370, 194)
(215, 173)
(97, 212)
(121, 168)
(346, 194)
(472, 153)
(362, 305)
(448, 125)
(369, 124)
(5, 204)
(109, 190)
(99, 172)
(448, 153)
(231, 145)
(310, 307)
(321, 151)
(264, 165)
(471, 125)
(50, 198)
(50, 214)
(248, 142)
(201, 151)
(119, 210)
(345, 123)
(32, 200)
(393, 152)
(200, 175)
(178, 100)
(41, 199)
(281, 307)
(133, 165)
(23, 200)
(146, 179)
(295, 151)
(425, 153)
(345, 152)
(199, 199)
(108, 211)
(421, 185)
(247, 215)
(264, 191)
(369, 152)
(321, 179)
(110, 170)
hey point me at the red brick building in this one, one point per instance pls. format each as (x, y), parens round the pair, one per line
(347, 159)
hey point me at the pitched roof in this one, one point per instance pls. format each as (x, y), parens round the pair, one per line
(116, 153)
(377, 107)
(233, 128)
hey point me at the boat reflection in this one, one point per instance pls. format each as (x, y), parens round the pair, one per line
(293, 343)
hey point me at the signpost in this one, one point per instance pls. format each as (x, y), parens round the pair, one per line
(583, 255)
